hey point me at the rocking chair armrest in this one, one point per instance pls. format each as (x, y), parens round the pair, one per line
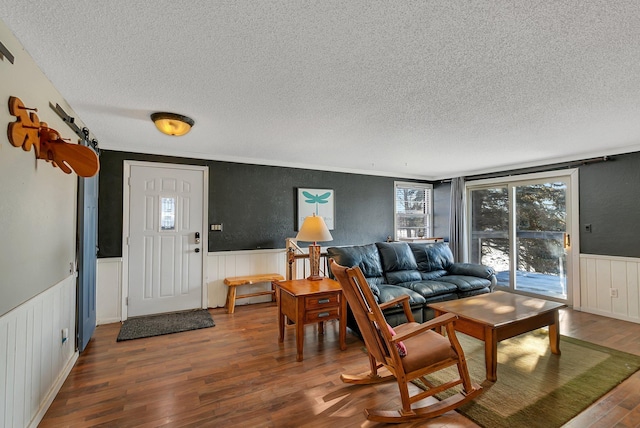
(393, 302)
(404, 301)
(429, 325)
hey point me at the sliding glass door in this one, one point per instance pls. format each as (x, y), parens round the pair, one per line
(522, 228)
(541, 228)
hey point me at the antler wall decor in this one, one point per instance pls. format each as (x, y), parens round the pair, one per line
(27, 131)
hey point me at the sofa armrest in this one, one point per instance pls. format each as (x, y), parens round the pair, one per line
(471, 269)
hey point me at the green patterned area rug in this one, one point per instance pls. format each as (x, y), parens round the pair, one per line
(536, 388)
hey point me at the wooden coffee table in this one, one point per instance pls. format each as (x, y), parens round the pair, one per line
(497, 316)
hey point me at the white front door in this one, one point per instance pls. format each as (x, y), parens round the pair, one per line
(165, 251)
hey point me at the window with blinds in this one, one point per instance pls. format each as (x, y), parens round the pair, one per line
(413, 210)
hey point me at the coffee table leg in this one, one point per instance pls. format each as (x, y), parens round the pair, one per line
(554, 334)
(491, 353)
(436, 314)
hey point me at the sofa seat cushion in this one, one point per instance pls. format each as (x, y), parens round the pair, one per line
(433, 274)
(390, 292)
(402, 276)
(442, 298)
(429, 289)
(466, 283)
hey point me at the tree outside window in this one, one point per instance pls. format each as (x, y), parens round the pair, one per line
(413, 210)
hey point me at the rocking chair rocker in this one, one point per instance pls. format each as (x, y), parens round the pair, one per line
(424, 350)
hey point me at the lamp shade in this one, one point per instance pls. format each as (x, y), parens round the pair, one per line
(314, 229)
(172, 123)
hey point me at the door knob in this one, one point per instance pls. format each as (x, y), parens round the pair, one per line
(197, 237)
(197, 250)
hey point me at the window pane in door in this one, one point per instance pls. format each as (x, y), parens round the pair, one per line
(167, 214)
(540, 230)
(490, 230)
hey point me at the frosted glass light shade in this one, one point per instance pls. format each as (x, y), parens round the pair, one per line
(172, 124)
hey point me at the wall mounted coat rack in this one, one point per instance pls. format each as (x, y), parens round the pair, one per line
(4, 53)
(27, 131)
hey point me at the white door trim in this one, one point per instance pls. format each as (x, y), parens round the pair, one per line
(573, 227)
(125, 225)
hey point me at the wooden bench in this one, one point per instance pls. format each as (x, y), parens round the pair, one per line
(236, 281)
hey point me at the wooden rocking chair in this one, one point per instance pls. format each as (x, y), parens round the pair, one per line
(425, 351)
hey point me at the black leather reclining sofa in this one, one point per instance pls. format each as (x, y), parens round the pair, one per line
(423, 271)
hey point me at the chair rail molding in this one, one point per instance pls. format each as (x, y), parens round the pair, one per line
(218, 266)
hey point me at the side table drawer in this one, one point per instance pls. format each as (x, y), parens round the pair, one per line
(322, 315)
(321, 300)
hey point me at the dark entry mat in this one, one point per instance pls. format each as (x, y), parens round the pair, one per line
(157, 325)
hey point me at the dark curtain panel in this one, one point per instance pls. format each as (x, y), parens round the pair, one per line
(456, 219)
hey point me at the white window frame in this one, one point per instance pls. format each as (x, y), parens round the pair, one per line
(428, 189)
(573, 220)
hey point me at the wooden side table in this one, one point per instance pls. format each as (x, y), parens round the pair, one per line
(306, 302)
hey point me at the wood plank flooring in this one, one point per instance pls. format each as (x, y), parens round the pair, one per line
(237, 375)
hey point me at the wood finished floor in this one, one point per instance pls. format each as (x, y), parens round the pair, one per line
(237, 375)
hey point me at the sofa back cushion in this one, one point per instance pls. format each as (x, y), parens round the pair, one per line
(364, 256)
(432, 257)
(398, 262)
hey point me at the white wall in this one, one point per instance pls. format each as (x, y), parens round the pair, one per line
(109, 290)
(34, 362)
(218, 266)
(599, 275)
(37, 255)
(38, 209)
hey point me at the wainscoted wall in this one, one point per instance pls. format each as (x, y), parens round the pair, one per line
(109, 290)
(218, 266)
(34, 360)
(234, 263)
(598, 275)
(601, 277)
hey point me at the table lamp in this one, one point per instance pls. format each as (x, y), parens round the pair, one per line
(315, 230)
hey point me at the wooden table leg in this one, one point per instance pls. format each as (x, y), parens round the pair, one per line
(436, 314)
(342, 326)
(231, 299)
(299, 338)
(280, 317)
(491, 353)
(554, 334)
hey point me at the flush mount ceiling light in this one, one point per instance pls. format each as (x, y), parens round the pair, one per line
(172, 123)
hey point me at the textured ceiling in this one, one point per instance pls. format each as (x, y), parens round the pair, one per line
(425, 89)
